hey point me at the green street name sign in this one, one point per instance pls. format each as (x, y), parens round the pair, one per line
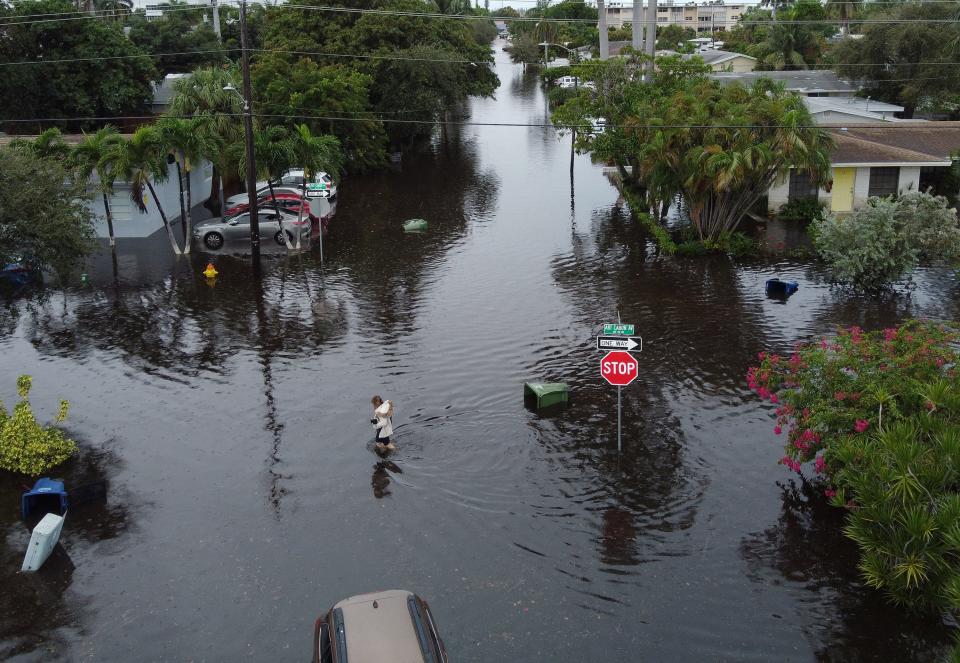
(623, 330)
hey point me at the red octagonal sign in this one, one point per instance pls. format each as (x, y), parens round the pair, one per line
(619, 368)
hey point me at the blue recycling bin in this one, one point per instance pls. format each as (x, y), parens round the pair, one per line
(778, 287)
(46, 496)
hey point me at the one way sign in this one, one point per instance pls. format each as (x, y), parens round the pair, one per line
(628, 343)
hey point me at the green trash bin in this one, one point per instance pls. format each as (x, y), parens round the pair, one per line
(415, 226)
(546, 394)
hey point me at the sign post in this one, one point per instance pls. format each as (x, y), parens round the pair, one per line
(619, 368)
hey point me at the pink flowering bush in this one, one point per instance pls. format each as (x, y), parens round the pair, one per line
(878, 415)
(847, 385)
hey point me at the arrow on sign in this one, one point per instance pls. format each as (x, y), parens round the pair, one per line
(627, 343)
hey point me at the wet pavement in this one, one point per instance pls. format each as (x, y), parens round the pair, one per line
(231, 420)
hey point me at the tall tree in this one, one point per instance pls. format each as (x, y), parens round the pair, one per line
(47, 222)
(203, 95)
(274, 155)
(314, 154)
(190, 142)
(182, 32)
(910, 60)
(141, 161)
(97, 153)
(116, 84)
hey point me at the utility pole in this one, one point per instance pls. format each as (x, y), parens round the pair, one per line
(248, 134)
(604, 35)
(216, 20)
(651, 43)
(637, 26)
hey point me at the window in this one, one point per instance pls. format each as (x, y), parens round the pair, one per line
(801, 186)
(883, 181)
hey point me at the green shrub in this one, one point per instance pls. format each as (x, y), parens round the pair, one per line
(802, 209)
(25, 445)
(886, 240)
(691, 249)
(878, 415)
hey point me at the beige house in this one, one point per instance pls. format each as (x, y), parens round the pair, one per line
(868, 162)
(725, 60)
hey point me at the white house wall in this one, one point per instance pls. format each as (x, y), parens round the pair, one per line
(128, 221)
(909, 179)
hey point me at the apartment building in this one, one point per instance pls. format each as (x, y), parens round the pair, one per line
(704, 18)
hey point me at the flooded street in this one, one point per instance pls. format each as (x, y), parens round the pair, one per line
(232, 423)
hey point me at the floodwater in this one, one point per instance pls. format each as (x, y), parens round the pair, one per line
(231, 420)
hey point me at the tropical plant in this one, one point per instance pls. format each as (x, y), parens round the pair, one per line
(802, 209)
(273, 154)
(722, 148)
(210, 94)
(97, 153)
(48, 222)
(26, 446)
(878, 414)
(313, 154)
(190, 142)
(884, 241)
(141, 161)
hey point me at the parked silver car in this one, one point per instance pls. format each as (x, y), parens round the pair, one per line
(216, 232)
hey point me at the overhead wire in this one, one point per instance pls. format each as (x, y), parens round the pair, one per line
(544, 125)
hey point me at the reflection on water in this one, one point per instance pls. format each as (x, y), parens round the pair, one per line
(39, 610)
(847, 620)
(235, 413)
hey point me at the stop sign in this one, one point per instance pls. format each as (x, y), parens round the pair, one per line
(619, 368)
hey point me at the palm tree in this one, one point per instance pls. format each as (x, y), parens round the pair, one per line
(202, 94)
(785, 45)
(141, 161)
(50, 145)
(452, 7)
(273, 152)
(190, 143)
(844, 10)
(98, 153)
(314, 153)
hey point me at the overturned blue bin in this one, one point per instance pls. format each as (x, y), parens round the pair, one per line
(776, 287)
(46, 496)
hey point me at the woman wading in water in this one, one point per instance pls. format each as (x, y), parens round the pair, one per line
(382, 422)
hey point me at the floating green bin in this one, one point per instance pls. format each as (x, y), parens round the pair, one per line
(547, 393)
(415, 226)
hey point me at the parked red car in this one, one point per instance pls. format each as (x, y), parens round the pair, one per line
(288, 202)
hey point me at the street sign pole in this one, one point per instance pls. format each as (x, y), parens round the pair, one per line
(618, 366)
(619, 410)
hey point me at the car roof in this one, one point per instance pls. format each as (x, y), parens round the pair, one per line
(382, 633)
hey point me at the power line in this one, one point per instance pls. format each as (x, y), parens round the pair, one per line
(884, 126)
(119, 57)
(813, 67)
(14, 19)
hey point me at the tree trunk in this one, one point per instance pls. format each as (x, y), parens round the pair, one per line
(106, 209)
(189, 228)
(183, 213)
(166, 223)
(303, 201)
(276, 208)
(214, 201)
